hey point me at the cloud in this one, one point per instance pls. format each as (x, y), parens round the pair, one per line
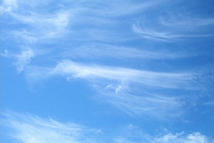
(153, 34)
(26, 128)
(58, 19)
(12, 3)
(23, 59)
(168, 28)
(150, 105)
(7, 6)
(148, 78)
(150, 34)
(181, 138)
(26, 36)
(97, 51)
(74, 18)
(187, 22)
(172, 138)
(80, 23)
(33, 25)
(130, 90)
(42, 26)
(135, 135)
(127, 7)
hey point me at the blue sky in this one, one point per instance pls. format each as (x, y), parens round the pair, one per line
(125, 71)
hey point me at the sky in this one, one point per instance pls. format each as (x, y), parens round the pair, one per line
(89, 71)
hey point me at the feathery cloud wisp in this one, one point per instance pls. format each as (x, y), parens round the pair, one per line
(23, 59)
(26, 128)
(97, 51)
(168, 29)
(152, 34)
(148, 78)
(195, 137)
(159, 106)
(117, 86)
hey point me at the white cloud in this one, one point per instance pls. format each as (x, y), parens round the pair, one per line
(127, 7)
(187, 22)
(43, 26)
(54, 24)
(96, 51)
(147, 78)
(12, 3)
(195, 137)
(149, 105)
(8, 6)
(23, 59)
(38, 25)
(152, 34)
(119, 87)
(181, 138)
(26, 36)
(27, 128)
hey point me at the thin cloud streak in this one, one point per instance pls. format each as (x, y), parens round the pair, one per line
(195, 137)
(7, 6)
(116, 85)
(158, 106)
(127, 8)
(148, 78)
(187, 22)
(26, 128)
(42, 26)
(48, 25)
(96, 51)
(23, 59)
(165, 35)
(78, 19)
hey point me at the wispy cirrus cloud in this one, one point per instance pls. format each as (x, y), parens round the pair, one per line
(182, 138)
(119, 86)
(34, 26)
(186, 22)
(195, 137)
(165, 35)
(135, 134)
(8, 6)
(151, 34)
(26, 128)
(97, 51)
(23, 59)
(126, 8)
(162, 107)
(77, 19)
(172, 29)
(42, 26)
(148, 78)
(80, 23)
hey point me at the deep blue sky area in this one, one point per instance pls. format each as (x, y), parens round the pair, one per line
(124, 71)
